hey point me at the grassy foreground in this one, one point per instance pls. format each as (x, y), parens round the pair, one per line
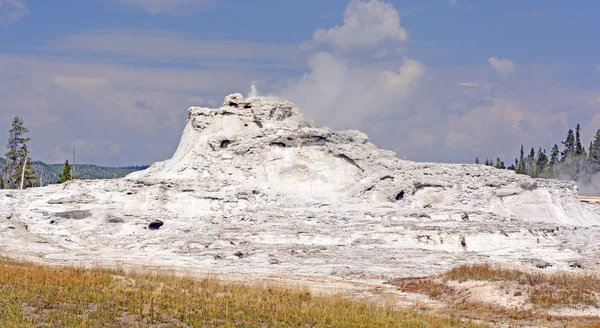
(35, 295)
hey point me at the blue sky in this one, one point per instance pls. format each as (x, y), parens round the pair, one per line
(437, 80)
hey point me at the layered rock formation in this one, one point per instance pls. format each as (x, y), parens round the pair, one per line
(254, 187)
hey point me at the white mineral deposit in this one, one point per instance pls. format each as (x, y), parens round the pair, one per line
(256, 189)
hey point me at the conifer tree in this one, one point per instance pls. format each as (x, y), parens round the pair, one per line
(554, 153)
(579, 148)
(521, 167)
(541, 161)
(594, 156)
(17, 157)
(476, 160)
(569, 144)
(499, 163)
(531, 169)
(1, 182)
(65, 175)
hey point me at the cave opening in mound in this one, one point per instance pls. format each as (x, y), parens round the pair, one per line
(400, 195)
(225, 143)
(155, 225)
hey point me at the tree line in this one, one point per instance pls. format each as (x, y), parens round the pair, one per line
(572, 162)
(16, 171)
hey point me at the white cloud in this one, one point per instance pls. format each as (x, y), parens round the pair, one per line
(453, 3)
(79, 84)
(342, 94)
(12, 11)
(469, 84)
(172, 7)
(400, 83)
(341, 90)
(432, 113)
(367, 24)
(503, 67)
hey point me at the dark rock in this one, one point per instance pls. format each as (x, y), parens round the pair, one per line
(400, 195)
(155, 225)
(541, 264)
(575, 265)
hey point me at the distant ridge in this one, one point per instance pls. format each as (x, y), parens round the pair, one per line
(49, 172)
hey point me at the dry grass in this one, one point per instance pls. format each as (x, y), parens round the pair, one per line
(33, 295)
(543, 292)
(547, 290)
(482, 272)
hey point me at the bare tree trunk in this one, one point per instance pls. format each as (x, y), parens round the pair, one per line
(23, 172)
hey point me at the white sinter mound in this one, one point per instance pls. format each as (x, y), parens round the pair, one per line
(256, 188)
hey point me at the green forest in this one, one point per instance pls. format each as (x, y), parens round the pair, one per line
(570, 161)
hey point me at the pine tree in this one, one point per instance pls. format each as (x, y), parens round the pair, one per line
(594, 156)
(531, 171)
(499, 163)
(17, 157)
(554, 156)
(476, 160)
(579, 149)
(569, 144)
(541, 161)
(521, 167)
(65, 175)
(1, 182)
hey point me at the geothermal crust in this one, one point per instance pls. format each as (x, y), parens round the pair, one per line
(255, 188)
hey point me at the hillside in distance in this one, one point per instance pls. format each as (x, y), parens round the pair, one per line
(49, 172)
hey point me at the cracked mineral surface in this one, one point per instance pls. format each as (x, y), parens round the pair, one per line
(256, 189)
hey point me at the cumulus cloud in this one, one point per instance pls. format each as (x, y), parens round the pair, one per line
(344, 94)
(367, 24)
(437, 113)
(502, 67)
(12, 11)
(342, 90)
(171, 7)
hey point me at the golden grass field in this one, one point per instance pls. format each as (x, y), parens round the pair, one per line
(33, 295)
